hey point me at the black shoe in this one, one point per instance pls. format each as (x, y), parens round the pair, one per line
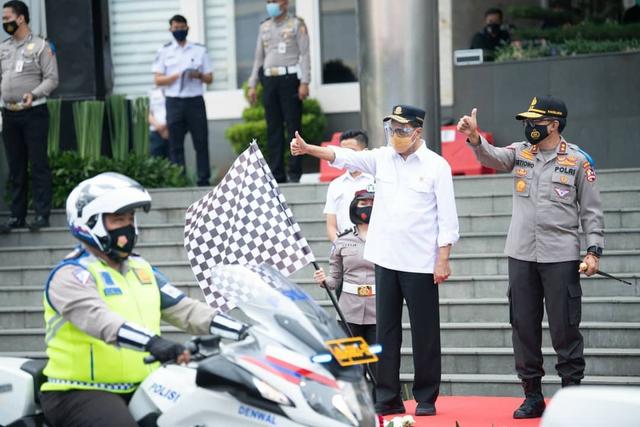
(12, 224)
(533, 405)
(425, 409)
(568, 382)
(390, 408)
(39, 222)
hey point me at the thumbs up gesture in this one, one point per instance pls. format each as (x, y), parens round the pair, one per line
(468, 125)
(298, 146)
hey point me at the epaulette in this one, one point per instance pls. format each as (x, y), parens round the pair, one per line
(75, 254)
(5, 40)
(167, 44)
(264, 20)
(199, 44)
(587, 156)
(345, 232)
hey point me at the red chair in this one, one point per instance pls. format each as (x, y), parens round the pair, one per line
(460, 157)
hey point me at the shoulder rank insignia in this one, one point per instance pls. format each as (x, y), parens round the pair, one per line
(143, 276)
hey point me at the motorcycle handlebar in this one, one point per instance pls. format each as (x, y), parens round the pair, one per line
(192, 346)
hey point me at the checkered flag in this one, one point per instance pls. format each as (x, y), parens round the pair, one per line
(244, 220)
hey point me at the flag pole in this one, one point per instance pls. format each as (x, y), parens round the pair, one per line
(332, 297)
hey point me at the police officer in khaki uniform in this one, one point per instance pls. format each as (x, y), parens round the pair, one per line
(282, 51)
(554, 192)
(29, 73)
(348, 267)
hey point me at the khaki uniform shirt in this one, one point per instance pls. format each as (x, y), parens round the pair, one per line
(28, 65)
(282, 44)
(347, 264)
(553, 194)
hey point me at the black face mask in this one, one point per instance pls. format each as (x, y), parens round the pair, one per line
(364, 214)
(535, 134)
(122, 240)
(180, 35)
(492, 29)
(10, 27)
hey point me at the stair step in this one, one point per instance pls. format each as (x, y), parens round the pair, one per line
(484, 202)
(506, 385)
(172, 248)
(621, 309)
(624, 261)
(483, 360)
(493, 334)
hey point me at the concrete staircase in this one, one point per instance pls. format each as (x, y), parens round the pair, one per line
(477, 357)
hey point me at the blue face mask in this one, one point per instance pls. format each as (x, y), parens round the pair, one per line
(273, 9)
(180, 35)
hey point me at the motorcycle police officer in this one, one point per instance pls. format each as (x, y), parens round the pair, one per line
(282, 51)
(554, 192)
(102, 309)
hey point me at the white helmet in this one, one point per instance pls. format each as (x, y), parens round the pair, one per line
(106, 193)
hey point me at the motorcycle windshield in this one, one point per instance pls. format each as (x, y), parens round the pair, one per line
(266, 296)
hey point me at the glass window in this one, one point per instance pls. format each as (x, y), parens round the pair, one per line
(231, 29)
(138, 30)
(338, 41)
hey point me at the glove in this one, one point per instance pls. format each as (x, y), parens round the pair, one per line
(164, 350)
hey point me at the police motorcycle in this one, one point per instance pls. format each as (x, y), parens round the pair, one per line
(292, 366)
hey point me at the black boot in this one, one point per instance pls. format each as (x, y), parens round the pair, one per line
(533, 405)
(12, 224)
(567, 382)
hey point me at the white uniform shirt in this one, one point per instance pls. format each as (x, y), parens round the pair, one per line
(173, 58)
(340, 194)
(414, 211)
(157, 107)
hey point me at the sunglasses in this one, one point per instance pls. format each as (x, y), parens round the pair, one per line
(399, 131)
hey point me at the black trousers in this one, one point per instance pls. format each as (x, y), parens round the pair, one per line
(81, 408)
(557, 285)
(189, 115)
(158, 147)
(282, 105)
(421, 295)
(25, 140)
(368, 332)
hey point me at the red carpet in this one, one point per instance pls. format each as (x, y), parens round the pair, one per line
(471, 411)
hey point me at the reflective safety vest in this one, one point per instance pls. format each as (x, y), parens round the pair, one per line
(80, 361)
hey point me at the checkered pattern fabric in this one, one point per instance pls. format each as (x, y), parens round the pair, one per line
(244, 220)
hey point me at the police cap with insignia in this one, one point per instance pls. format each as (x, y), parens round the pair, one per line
(548, 107)
(406, 114)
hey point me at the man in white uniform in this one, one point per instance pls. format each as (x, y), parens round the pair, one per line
(413, 225)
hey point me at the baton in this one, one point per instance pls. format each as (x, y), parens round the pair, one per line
(334, 301)
(583, 267)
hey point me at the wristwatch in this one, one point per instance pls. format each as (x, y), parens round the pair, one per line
(596, 251)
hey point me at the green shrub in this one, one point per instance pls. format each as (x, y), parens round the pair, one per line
(140, 125)
(583, 31)
(68, 169)
(255, 126)
(87, 119)
(568, 48)
(53, 145)
(118, 121)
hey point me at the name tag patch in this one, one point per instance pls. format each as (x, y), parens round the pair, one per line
(112, 291)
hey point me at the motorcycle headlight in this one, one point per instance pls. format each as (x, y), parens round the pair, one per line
(343, 403)
(271, 393)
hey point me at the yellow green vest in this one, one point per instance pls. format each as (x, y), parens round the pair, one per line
(80, 361)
